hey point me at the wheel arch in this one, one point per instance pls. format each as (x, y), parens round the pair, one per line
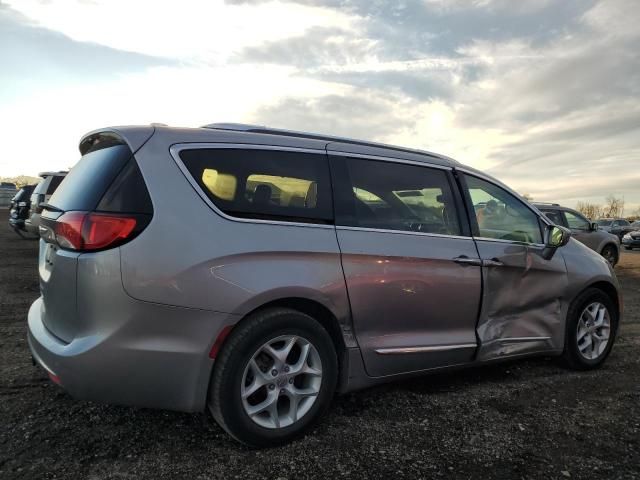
(612, 292)
(610, 243)
(315, 309)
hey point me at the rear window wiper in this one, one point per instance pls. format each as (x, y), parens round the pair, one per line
(51, 208)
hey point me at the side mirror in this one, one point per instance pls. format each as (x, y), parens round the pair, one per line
(594, 226)
(554, 238)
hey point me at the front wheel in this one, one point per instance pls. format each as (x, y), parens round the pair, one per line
(274, 377)
(591, 326)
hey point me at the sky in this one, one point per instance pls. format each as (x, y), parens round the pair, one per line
(542, 94)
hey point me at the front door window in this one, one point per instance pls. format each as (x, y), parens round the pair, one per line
(500, 215)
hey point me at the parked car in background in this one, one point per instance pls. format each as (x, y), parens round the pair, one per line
(41, 194)
(618, 226)
(631, 239)
(7, 191)
(582, 229)
(19, 208)
(256, 271)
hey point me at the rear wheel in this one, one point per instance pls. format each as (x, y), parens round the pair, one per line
(590, 331)
(274, 377)
(610, 254)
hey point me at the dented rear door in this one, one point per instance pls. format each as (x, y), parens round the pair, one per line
(523, 300)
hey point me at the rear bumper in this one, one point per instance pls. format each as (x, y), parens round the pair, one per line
(17, 223)
(31, 224)
(157, 357)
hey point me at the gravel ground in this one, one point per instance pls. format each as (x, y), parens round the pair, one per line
(526, 419)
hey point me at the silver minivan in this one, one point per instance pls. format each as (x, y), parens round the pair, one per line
(255, 272)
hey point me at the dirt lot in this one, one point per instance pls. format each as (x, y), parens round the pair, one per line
(530, 419)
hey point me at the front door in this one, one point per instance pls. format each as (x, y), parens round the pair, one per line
(411, 268)
(581, 229)
(523, 292)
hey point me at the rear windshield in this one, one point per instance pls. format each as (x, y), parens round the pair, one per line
(42, 186)
(88, 180)
(23, 194)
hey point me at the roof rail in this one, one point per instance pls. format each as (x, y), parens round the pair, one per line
(244, 127)
(546, 203)
(238, 127)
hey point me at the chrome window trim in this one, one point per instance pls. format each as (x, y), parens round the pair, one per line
(175, 150)
(401, 232)
(381, 158)
(524, 339)
(424, 349)
(516, 242)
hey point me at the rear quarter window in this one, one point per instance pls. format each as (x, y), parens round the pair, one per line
(54, 182)
(87, 181)
(264, 184)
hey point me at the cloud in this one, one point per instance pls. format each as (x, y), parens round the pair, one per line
(358, 114)
(544, 94)
(29, 54)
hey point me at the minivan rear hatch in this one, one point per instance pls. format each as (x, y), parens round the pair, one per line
(101, 203)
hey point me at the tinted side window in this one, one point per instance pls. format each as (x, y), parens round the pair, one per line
(53, 184)
(576, 221)
(87, 181)
(396, 196)
(264, 184)
(128, 193)
(500, 215)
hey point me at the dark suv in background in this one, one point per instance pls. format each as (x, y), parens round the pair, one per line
(582, 229)
(19, 208)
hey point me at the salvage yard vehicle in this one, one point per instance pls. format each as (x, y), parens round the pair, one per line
(40, 195)
(583, 230)
(255, 271)
(631, 240)
(7, 192)
(617, 226)
(19, 209)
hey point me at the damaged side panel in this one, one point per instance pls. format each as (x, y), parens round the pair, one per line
(523, 308)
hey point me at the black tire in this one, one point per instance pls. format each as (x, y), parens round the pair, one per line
(571, 355)
(610, 253)
(225, 402)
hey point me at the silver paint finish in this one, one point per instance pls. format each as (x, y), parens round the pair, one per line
(125, 351)
(435, 348)
(523, 297)
(407, 291)
(134, 325)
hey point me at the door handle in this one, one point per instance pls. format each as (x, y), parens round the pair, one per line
(494, 262)
(464, 260)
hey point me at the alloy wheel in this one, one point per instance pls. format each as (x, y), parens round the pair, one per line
(594, 330)
(281, 381)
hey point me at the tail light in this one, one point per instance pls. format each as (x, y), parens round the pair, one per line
(89, 231)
